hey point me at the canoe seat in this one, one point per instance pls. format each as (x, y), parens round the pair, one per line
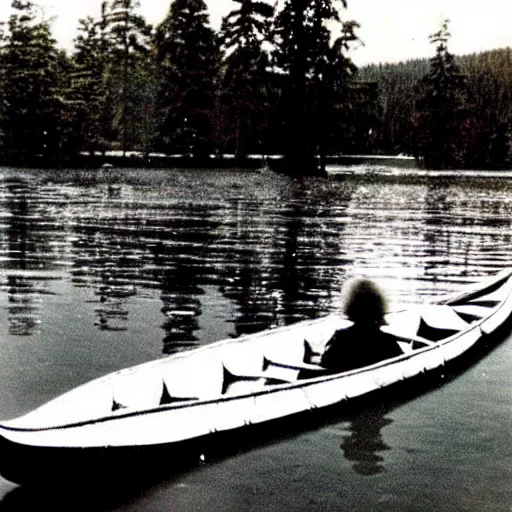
(425, 325)
(242, 370)
(471, 312)
(439, 322)
(239, 383)
(289, 354)
(298, 362)
(136, 391)
(167, 398)
(246, 369)
(198, 377)
(403, 324)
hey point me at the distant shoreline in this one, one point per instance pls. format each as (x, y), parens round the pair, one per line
(132, 161)
(138, 160)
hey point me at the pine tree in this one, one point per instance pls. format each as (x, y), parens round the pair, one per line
(334, 95)
(129, 68)
(3, 78)
(440, 109)
(31, 78)
(316, 70)
(86, 94)
(397, 95)
(245, 72)
(188, 56)
(110, 100)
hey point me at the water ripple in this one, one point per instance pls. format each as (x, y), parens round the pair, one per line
(277, 250)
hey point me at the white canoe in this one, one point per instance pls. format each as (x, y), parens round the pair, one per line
(243, 381)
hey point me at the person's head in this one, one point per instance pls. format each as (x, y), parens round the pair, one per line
(363, 302)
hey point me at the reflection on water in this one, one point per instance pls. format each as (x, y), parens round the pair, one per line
(277, 249)
(181, 299)
(25, 295)
(24, 306)
(364, 446)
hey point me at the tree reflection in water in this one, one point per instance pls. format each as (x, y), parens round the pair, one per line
(364, 445)
(24, 308)
(181, 307)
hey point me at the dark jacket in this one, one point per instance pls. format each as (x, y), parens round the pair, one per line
(356, 347)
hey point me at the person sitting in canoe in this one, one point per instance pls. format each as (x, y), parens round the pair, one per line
(363, 343)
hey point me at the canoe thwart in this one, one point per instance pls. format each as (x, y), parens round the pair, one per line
(415, 340)
(428, 332)
(471, 312)
(167, 398)
(230, 378)
(294, 366)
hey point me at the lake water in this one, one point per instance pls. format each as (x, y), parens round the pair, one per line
(104, 269)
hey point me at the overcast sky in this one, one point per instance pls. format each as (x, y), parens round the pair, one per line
(391, 30)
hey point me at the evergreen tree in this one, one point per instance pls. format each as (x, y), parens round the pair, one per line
(111, 97)
(397, 94)
(487, 116)
(334, 95)
(189, 58)
(489, 94)
(317, 73)
(245, 72)
(86, 94)
(128, 70)
(3, 41)
(440, 109)
(31, 78)
(145, 120)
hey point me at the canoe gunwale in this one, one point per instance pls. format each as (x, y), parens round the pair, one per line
(488, 285)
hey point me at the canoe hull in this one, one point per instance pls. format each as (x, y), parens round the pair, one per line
(136, 437)
(24, 464)
(164, 425)
(34, 465)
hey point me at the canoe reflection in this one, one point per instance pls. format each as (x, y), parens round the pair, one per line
(364, 445)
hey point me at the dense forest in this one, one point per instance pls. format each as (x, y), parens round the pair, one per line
(487, 107)
(272, 80)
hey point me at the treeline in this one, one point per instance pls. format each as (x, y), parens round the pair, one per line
(483, 105)
(272, 80)
(269, 81)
